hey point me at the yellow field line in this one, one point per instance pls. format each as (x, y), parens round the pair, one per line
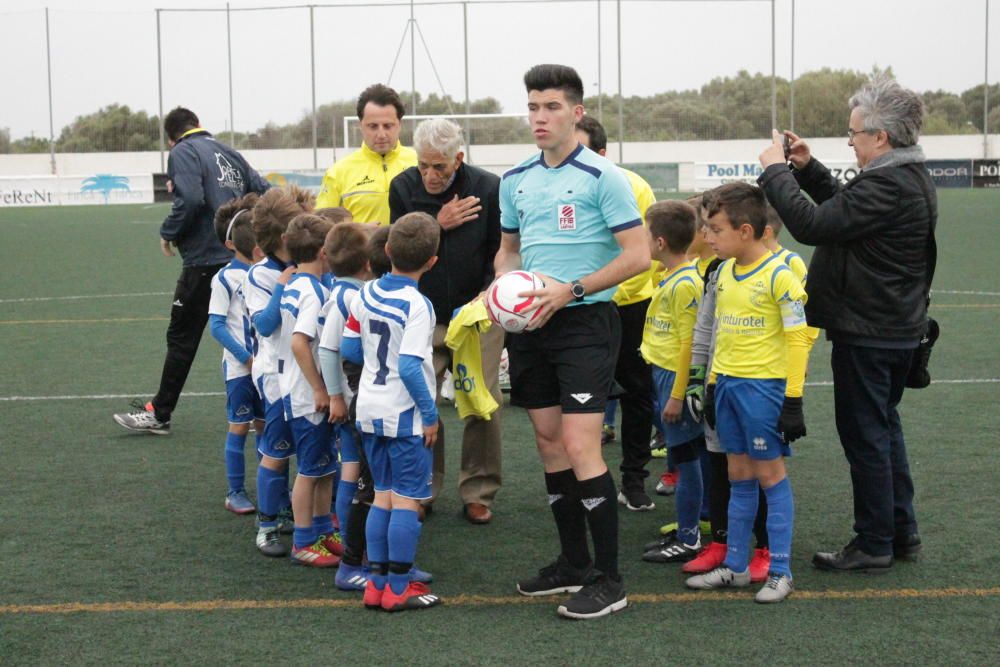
(483, 600)
(103, 321)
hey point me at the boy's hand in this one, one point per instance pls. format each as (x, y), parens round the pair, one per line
(792, 423)
(321, 400)
(708, 405)
(286, 275)
(672, 413)
(338, 409)
(431, 434)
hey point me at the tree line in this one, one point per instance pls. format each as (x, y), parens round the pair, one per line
(736, 107)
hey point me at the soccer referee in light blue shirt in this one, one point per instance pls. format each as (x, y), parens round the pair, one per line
(570, 216)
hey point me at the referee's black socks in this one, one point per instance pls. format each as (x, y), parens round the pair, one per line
(599, 497)
(571, 522)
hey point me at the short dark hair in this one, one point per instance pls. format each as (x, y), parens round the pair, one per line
(774, 220)
(241, 231)
(335, 214)
(272, 213)
(559, 77)
(305, 237)
(382, 96)
(347, 248)
(598, 137)
(697, 202)
(673, 221)
(745, 204)
(378, 261)
(413, 240)
(179, 121)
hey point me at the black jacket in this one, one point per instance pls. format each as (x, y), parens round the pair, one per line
(465, 257)
(874, 239)
(205, 174)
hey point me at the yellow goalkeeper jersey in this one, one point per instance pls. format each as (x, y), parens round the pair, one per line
(755, 306)
(671, 316)
(360, 182)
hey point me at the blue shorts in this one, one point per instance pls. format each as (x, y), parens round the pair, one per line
(347, 436)
(746, 417)
(317, 456)
(243, 403)
(276, 441)
(400, 465)
(687, 428)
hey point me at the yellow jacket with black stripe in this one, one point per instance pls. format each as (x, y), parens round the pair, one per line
(360, 182)
(638, 288)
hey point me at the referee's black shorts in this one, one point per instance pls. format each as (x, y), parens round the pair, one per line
(569, 362)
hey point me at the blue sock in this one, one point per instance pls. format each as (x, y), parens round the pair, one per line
(271, 494)
(742, 510)
(404, 533)
(671, 466)
(345, 498)
(287, 501)
(780, 522)
(235, 464)
(303, 537)
(322, 525)
(688, 499)
(377, 536)
(706, 474)
(610, 411)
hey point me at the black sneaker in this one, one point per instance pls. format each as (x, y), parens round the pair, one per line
(660, 543)
(907, 547)
(600, 597)
(559, 577)
(673, 551)
(636, 500)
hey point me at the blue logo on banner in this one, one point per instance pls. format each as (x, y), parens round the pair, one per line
(950, 173)
(105, 184)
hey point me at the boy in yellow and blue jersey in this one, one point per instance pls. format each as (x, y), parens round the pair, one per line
(792, 259)
(666, 344)
(754, 394)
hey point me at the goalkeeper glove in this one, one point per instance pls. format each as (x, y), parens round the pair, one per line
(708, 405)
(791, 423)
(695, 393)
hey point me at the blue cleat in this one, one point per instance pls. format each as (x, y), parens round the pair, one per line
(351, 577)
(420, 576)
(237, 502)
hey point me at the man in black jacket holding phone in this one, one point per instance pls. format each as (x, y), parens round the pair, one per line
(465, 200)
(869, 281)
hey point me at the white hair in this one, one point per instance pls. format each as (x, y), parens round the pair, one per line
(886, 105)
(439, 135)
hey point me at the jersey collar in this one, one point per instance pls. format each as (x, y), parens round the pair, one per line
(569, 158)
(372, 155)
(391, 281)
(237, 264)
(761, 263)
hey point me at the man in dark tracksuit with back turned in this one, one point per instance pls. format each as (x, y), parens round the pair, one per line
(204, 174)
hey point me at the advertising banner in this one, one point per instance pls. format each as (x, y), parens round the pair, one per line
(950, 173)
(76, 190)
(309, 179)
(708, 175)
(986, 173)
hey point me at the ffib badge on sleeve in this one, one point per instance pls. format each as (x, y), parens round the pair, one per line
(567, 216)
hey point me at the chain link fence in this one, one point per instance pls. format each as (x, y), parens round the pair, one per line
(654, 70)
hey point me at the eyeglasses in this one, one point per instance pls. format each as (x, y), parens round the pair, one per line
(851, 132)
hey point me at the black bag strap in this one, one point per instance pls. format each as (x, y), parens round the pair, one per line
(932, 212)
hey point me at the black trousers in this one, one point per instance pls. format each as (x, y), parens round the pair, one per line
(868, 385)
(188, 318)
(635, 377)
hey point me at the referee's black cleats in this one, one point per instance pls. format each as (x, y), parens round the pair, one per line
(601, 596)
(558, 577)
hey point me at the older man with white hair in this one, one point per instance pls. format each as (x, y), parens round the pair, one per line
(465, 201)
(869, 285)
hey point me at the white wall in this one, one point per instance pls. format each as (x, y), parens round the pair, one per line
(494, 158)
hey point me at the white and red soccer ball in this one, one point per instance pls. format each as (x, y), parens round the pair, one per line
(512, 312)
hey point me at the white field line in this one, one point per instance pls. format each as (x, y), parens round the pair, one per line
(84, 296)
(956, 291)
(99, 397)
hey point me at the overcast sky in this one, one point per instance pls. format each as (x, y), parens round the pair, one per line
(107, 52)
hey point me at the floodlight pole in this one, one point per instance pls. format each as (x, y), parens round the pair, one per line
(986, 86)
(600, 94)
(229, 56)
(159, 89)
(791, 82)
(774, 73)
(312, 67)
(468, 105)
(621, 100)
(413, 63)
(52, 127)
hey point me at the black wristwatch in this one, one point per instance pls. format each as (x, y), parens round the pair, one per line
(577, 290)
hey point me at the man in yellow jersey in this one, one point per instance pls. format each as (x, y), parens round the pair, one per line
(631, 372)
(754, 395)
(360, 182)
